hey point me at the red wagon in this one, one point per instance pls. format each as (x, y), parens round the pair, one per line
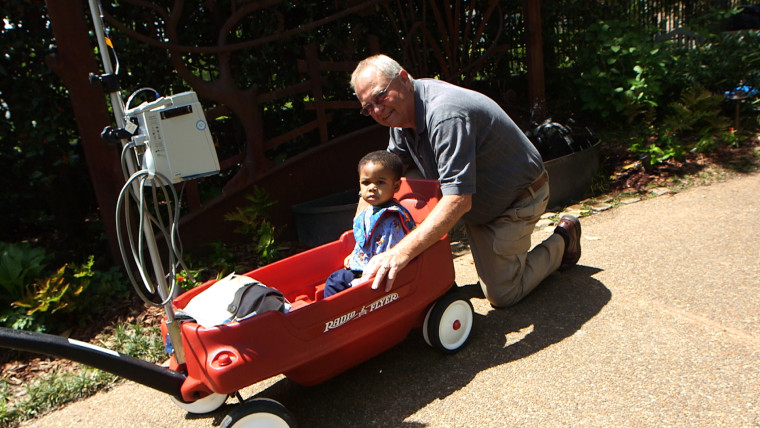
(321, 337)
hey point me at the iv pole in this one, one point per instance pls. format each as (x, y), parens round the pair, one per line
(117, 104)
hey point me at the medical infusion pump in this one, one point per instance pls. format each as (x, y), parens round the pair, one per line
(176, 134)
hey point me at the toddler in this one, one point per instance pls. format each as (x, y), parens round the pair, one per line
(378, 227)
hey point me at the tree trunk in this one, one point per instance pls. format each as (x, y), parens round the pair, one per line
(73, 62)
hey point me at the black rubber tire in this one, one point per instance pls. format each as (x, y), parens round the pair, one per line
(448, 324)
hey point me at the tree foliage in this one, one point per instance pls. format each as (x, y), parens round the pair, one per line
(44, 184)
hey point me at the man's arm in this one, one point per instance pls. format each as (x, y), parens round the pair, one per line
(441, 219)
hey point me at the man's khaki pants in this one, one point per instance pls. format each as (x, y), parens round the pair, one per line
(507, 271)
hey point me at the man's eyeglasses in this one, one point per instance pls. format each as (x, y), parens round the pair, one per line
(379, 98)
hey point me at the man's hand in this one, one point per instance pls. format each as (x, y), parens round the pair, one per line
(385, 266)
(441, 219)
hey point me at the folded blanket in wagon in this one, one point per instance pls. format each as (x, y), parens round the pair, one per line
(233, 298)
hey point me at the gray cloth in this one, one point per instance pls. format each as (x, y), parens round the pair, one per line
(467, 142)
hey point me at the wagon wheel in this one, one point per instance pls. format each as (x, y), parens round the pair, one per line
(203, 405)
(448, 323)
(259, 413)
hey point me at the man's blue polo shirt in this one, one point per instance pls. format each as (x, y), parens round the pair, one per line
(466, 141)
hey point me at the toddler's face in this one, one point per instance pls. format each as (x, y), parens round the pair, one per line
(377, 184)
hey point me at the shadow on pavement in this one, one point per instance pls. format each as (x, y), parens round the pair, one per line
(390, 387)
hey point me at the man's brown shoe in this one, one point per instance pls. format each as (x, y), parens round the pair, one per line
(569, 228)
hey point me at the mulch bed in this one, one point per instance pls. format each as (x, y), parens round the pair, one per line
(628, 174)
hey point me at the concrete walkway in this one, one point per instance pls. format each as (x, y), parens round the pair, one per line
(658, 326)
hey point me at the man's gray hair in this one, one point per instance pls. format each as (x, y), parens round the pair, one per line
(386, 65)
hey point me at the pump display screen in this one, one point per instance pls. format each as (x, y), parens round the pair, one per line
(179, 111)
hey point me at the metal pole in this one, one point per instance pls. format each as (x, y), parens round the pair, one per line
(117, 103)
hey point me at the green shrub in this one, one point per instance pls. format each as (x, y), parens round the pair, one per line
(254, 222)
(103, 288)
(37, 300)
(665, 145)
(670, 99)
(694, 123)
(51, 294)
(20, 264)
(724, 61)
(224, 259)
(621, 71)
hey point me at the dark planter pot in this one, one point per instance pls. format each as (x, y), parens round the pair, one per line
(323, 220)
(571, 175)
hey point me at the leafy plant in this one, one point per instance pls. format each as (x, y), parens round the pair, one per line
(621, 71)
(726, 60)
(641, 94)
(219, 262)
(187, 279)
(695, 123)
(254, 221)
(17, 318)
(659, 152)
(698, 110)
(102, 288)
(138, 341)
(33, 298)
(730, 138)
(251, 216)
(50, 294)
(20, 264)
(222, 259)
(52, 390)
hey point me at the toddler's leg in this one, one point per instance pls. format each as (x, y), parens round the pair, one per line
(338, 281)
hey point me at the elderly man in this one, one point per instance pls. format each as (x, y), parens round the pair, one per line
(491, 175)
